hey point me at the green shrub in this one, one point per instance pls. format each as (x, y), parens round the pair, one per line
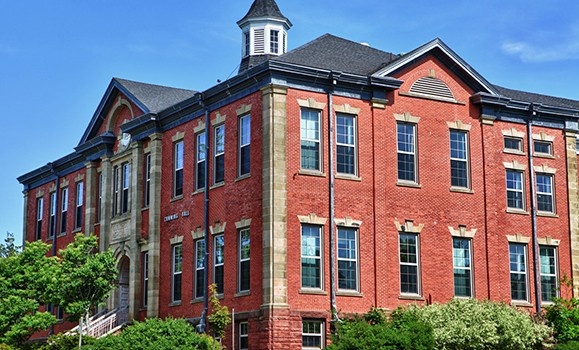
(473, 325)
(154, 333)
(563, 316)
(572, 345)
(374, 331)
(62, 341)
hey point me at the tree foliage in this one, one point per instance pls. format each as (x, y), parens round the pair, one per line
(27, 279)
(219, 317)
(154, 333)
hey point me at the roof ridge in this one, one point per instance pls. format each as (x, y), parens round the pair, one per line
(122, 80)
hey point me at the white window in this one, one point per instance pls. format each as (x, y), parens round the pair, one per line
(348, 259)
(219, 154)
(274, 41)
(515, 194)
(544, 148)
(311, 256)
(177, 272)
(406, 145)
(145, 290)
(200, 156)
(409, 264)
(459, 159)
(125, 188)
(100, 197)
(549, 273)
(218, 261)
(312, 334)
(52, 219)
(246, 43)
(178, 169)
(116, 190)
(39, 214)
(147, 174)
(310, 145)
(243, 336)
(545, 198)
(199, 268)
(78, 213)
(346, 157)
(513, 144)
(244, 277)
(518, 270)
(244, 145)
(462, 266)
(63, 209)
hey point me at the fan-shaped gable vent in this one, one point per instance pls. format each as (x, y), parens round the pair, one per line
(432, 87)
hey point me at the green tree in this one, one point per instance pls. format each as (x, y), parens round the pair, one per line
(27, 280)
(219, 317)
(86, 278)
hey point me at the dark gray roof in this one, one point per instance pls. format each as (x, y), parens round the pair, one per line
(334, 53)
(263, 8)
(155, 97)
(530, 97)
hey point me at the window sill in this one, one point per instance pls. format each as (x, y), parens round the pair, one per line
(175, 303)
(348, 177)
(411, 297)
(543, 155)
(217, 185)
(76, 230)
(461, 190)
(547, 214)
(197, 300)
(200, 190)
(144, 209)
(514, 151)
(517, 211)
(142, 308)
(243, 177)
(347, 293)
(403, 183)
(313, 291)
(61, 235)
(521, 303)
(242, 294)
(174, 199)
(307, 172)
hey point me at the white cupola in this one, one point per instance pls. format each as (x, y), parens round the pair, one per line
(264, 33)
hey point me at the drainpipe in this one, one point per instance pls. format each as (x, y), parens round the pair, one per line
(203, 322)
(485, 210)
(333, 306)
(532, 114)
(56, 210)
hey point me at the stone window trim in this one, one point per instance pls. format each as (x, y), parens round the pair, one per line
(542, 136)
(312, 103)
(407, 118)
(346, 109)
(52, 188)
(518, 238)
(218, 228)
(176, 240)
(241, 224)
(197, 233)
(64, 183)
(79, 178)
(347, 222)
(545, 169)
(462, 232)
(39, 193)
(408, 226)
(312, 219)
(219, 119)
(179, 135)
(548, 241)
(243, 110)
(514, 165)
(199, 128)
(512, 132)
(459, 125)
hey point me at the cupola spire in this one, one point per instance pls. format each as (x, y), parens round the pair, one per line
(264, 33)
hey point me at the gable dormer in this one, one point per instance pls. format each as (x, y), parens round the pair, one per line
(264, 33)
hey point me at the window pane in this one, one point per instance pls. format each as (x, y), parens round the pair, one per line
(517, 253)
(311, 256)
(458, 159)
(310, 139)
(345, 148)
(347, 259)
(408, 263)
(406, 152)
(548, 273)
(462, 267)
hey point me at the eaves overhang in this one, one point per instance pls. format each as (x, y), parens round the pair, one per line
(503, 102)
(51, 171)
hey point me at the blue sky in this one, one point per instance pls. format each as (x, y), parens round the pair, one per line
(57, 57)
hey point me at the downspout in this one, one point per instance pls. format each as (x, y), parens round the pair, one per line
(375, 226)
(532, 114)
(203, 322)
(333, 305)
(485, 211)
(56, 210)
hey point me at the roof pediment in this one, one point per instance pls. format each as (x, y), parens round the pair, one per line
(448, 57)
(148, 98)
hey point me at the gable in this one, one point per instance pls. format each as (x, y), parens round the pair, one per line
(452, 62)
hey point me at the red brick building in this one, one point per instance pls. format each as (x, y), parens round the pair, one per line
(318, 183)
